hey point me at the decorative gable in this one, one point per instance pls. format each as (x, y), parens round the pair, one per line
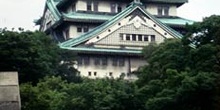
(131, 29)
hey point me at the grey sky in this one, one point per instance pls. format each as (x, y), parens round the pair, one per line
(21, 13)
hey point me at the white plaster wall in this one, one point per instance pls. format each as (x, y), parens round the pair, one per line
(73, 31)
(81, 5)
(152, 9)
(104, 6)
(136, 63)
(103, 71)
(173, 11)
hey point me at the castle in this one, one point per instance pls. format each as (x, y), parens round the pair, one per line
(108, 35)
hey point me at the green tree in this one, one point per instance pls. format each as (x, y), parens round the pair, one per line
(205, 36)
(181, 77)
(102, 94)
(46, 95)
(53, 93)
(34, 55)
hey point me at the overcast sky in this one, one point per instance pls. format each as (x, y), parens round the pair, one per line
(21, 13)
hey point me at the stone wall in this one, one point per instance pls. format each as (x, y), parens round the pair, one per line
(9, 91)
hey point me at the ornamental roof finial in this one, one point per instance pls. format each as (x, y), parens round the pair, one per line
(137, 1)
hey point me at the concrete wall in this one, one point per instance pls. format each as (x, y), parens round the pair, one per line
(9, 91)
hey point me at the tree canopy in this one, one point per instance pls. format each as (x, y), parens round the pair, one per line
(34, 55)
(183, 74)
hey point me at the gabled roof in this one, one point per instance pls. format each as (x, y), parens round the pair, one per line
(73, 43)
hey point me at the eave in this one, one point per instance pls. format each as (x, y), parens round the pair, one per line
(103, 50)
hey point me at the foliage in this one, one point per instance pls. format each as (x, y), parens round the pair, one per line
(179, 77)
(206, 36)
(34, 55)
(46, 95)
(53, 93)
(181, 91)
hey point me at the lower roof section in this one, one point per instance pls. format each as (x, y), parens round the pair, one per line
(94, 17)
(104, 50)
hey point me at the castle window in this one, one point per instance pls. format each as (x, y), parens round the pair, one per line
(97, 61)
(160, 11)
(85, 29)
(110, 73)
(133, 37)
(166, 11)
(114, 62)
(121, 62)
(163, 11)
(121, 36)
(89, 73)
(128, 37)
(86, 61)
(119, 9)
(153, 38)
(104, 61)
(95, 73)
(95, 4)
(113, 5)
(79, 29)
(82, 29)
(89, 6)
(145, 38)
(139, 37)
(115, 8)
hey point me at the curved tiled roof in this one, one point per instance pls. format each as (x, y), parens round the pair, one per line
(51, 4)
(74, 42)
(85, 17)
